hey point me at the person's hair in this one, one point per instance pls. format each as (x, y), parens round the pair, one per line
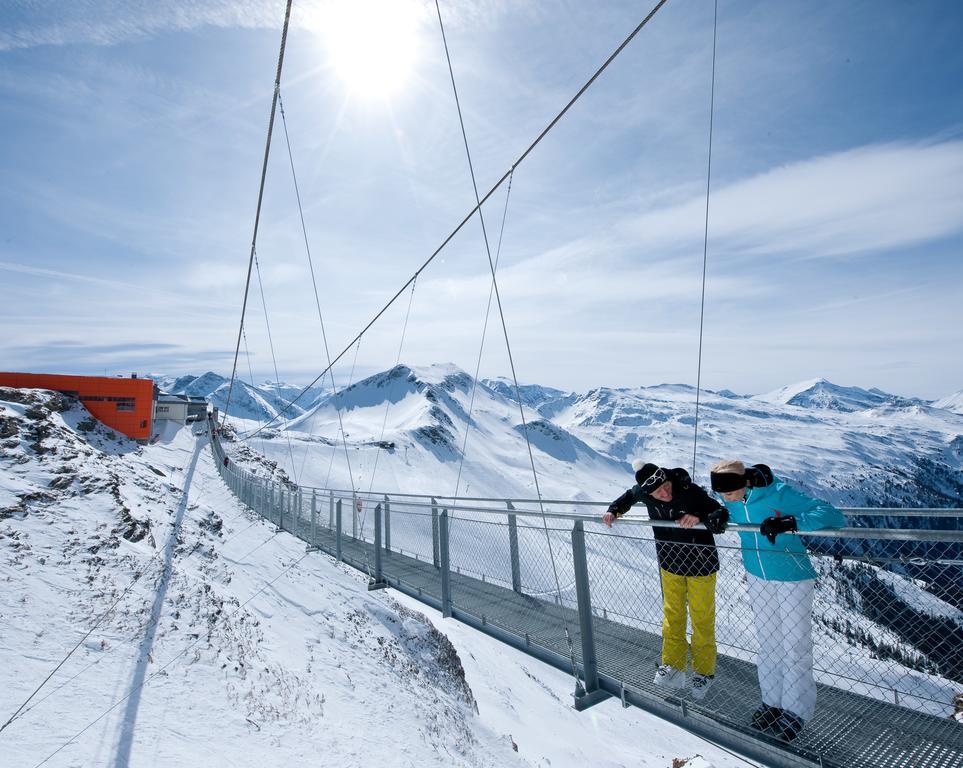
(728, 476)
(730, 467)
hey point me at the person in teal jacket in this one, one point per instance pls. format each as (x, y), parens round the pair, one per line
(781, 584)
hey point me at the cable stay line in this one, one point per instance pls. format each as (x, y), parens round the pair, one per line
(705, 238)
(260, 200)
(511, 361)
(274, 360)
(317, 298)
(521, 158)
(481, 346)
(327, 480)
(384, 423)
(364, 509)
(250, 370)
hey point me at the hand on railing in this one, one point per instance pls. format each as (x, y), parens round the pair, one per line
(773, 526)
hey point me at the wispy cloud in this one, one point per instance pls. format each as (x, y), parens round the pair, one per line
(866, 199)
(50, 22)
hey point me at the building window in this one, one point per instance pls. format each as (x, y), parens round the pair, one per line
(125, 406)
(163, 409)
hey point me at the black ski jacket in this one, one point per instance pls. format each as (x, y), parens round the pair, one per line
(682, 551)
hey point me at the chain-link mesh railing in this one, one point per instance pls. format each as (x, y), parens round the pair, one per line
(850, 654)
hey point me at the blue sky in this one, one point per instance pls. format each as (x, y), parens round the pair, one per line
(133, 136)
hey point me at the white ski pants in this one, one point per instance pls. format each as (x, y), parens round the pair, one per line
(783, 616)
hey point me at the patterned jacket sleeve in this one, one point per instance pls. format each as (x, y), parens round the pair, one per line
(701, 504)
(624, 502)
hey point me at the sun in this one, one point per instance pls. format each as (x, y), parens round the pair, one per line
(372, 45)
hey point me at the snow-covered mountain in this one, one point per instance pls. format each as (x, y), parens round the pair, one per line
(824, 395)
(853, 446)
(952, 402)
(257, 403)
(192, 631)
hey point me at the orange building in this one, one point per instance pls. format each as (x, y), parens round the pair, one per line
(126, 405)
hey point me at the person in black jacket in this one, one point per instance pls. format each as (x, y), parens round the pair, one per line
(688, 563)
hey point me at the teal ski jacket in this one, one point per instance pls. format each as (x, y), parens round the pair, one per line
(786, 560)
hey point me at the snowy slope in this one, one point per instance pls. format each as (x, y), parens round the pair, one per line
(824, 395)
(952, 402)
(851, 446)
(234, 646)
(258, 403)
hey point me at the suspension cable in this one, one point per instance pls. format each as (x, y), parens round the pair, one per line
(705, 237)
(277, 377)
(384, 423)
(327, 480)
(508, 348)
(481, 346)
(250, 370)
(260, 199)
(521, 158)
(317, 298)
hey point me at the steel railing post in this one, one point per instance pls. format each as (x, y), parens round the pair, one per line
(330, 510)
(314, 518)
(591, 693)
(387, 525)
(378, 579)
(282, 500)
(513, 550)
(354, 515)
(298, 518)
(434, 533)
(445, 565)
(337, 530)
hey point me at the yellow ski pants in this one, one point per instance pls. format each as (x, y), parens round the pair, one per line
(700, 594)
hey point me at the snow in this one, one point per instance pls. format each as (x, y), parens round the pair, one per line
(952, 402)
(237, 648)
(252, 653)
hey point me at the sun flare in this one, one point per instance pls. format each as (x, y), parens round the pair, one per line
(372, 45)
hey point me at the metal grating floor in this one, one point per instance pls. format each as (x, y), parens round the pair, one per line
(848, 731)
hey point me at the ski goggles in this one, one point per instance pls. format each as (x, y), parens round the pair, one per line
(653, 481)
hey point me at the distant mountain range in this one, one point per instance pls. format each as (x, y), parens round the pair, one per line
(853, 446)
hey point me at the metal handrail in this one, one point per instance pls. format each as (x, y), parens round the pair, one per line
(898, 534)
(950, 512)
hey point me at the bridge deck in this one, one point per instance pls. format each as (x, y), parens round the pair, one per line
(849, 730)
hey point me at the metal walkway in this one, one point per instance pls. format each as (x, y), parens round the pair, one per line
(848, 731)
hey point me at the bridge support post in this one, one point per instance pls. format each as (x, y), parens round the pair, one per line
(354, 515)
(513, 550)
(378, 579)
(296, 522)
(337, 530)
(434, 532)
(314, 518)
(445, 565)
(591, 693)
(387, 525)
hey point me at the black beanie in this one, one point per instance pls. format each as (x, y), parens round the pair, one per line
(644, 472)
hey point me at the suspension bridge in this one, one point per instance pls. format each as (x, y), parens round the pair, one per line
(557, 586)
(493, 574)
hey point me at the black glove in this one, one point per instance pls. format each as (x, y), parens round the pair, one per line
(773, 526)
(717, 520)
